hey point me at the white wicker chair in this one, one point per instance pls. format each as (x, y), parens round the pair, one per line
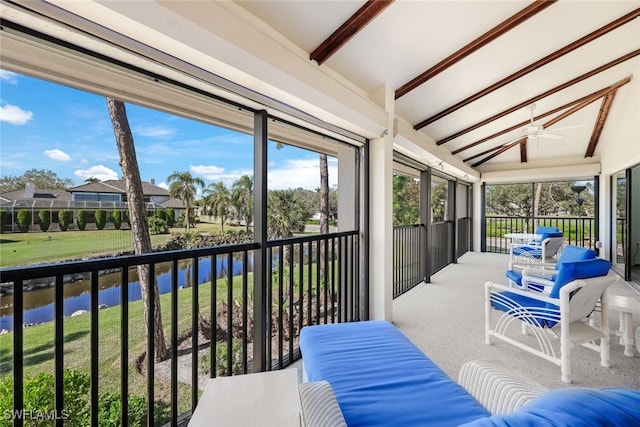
(560, 315)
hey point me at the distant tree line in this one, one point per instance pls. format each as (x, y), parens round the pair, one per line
(555, 198)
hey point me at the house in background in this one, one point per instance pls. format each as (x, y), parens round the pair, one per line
(113, 190)
(107, 195)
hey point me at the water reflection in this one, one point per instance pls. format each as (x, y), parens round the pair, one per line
(39, 304)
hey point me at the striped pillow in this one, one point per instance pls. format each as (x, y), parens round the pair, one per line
(319, 406)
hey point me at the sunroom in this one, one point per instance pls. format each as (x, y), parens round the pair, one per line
(456, 96)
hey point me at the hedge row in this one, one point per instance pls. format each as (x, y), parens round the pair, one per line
(159, 220)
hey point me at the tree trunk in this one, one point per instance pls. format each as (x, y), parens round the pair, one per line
(536, 204)
(138, 217)
(324, 209)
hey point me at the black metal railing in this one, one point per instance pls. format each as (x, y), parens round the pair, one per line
(440, 254)
(463, 236)
(210, 330)
(577, 231)
(407, 257)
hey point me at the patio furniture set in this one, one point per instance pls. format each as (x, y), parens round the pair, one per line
(378, 377)
(369, 373)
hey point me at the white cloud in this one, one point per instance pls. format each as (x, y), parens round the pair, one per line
(157, 131)
(8, 77)
(58, 155)
(163, 185)
(14, 114)
(101, 172)
(210, 172)
(300, 173)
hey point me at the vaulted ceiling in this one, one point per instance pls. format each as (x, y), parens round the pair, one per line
(471, 74)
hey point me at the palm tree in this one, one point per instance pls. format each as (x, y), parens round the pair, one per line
(218, 199)
(138, 221)
(242, 200)
(286, 214)
(182, 185)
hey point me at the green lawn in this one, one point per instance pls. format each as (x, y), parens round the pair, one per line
(39, 344)
(38, 352)
(38, 247)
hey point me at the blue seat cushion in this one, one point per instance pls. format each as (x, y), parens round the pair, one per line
(573, 407)
(528, 251)
(541, 313)
(380, 378)
(514, 276)
(538, 313)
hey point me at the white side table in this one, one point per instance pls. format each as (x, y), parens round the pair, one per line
(626, 301)
(261, 399)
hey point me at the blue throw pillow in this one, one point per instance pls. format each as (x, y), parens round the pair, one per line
(573, 407)
(570, 271)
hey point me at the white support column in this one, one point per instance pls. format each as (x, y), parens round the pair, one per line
(477, 220)
(381, 214)
(347, 181)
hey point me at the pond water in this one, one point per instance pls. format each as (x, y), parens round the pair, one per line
(39, 304)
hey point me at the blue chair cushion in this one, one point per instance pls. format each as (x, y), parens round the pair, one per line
(572, 253)
(570, 271)
(528, 251)
(538, 313)
(572, 407)
(542, 313)
(514, 276)
(548, 232)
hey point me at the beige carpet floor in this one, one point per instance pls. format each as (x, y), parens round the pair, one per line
(445, 319)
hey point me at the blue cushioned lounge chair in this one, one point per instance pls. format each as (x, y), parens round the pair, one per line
(543, 273)
(577, 289)
(534, 251)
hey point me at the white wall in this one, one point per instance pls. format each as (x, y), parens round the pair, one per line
(621, 136)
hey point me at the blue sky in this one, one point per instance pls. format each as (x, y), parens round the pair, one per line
(50, 126)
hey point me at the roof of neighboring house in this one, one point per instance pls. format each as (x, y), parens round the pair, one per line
(39, 194)
(173, 203)
(117, 186)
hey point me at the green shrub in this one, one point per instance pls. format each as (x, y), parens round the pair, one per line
(162, 214)
(64, 219)
(39, 398)
(44, 220)
(171, 217)
(116, 217)
(158, 226)
(24, 220)
(81, 219)
(221, 359)
(127, 218)
(3, 220)
(101, 218)
(109, 410)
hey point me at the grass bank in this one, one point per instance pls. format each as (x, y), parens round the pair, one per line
(37, 247)
(38, 352)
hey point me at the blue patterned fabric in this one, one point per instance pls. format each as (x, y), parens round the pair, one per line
(541, 311)
(573, 407)
(380, 378)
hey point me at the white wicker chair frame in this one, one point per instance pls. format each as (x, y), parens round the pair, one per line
(544, 251)
(577, 301)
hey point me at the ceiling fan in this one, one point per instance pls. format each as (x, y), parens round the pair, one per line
(533, 131)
